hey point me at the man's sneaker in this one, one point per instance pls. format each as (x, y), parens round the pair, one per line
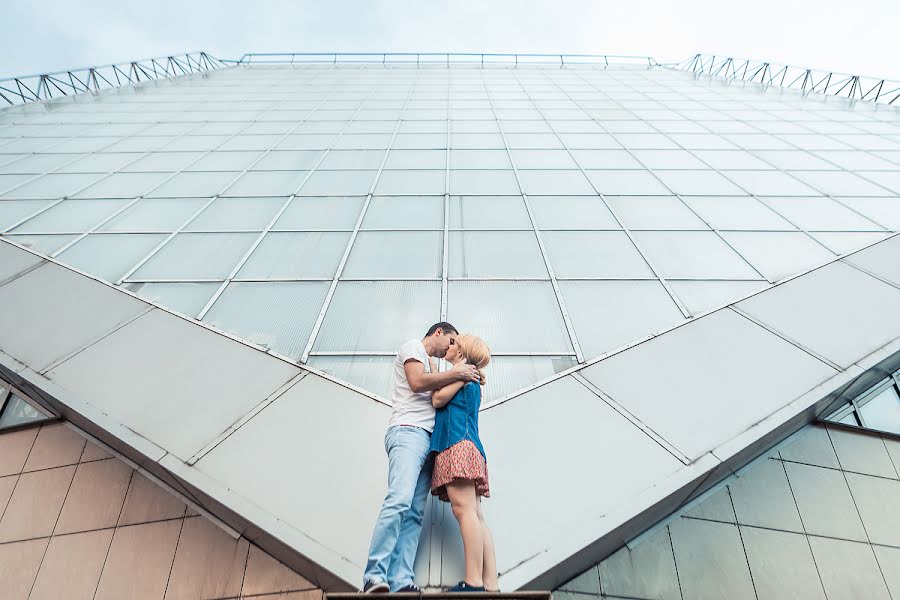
(462, 586)
(376, 587)
(410, 589)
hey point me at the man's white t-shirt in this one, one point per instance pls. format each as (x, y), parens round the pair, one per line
(410, 408)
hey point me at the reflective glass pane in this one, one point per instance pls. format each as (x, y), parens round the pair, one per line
(197, 256)
(769, 183)
(479, 159)
(543, 159)
(416, 159)
(605, 159)
(235, 214)
(284, 160)
(13, 211)
(123, 185)
(160, 162)
(420, 182)
(371, 373)
(736, 212)
(92, 163)
(778, 254)
(76, 216)
(700, 296)
(339, 183)
(627, 183)
(669, 159)
(403, 254)
(845, 242)
(19, 412)
(480, 182)
(488, 212)
(610, 314)
(507, 374)
(226, 161)
(395, 311)
(267, 183)
(321, 213)
(549, 183)
(296, 255)
(699, 183)
(55, 186)
(821, 214)
(654, 212)
(347, 160)
(882, 411)
(43, 243)
(185, 298)
(572, 212)
(496, 311)
(693, 255)
(278, 315)
(840, 183)
(495, 254)
(608, 254)
(405, 212)
(110, 255)
(154, 214)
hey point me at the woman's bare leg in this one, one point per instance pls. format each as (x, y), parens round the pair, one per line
(463, 501)
(489, 561)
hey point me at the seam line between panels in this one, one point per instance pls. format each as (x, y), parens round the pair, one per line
(445, 259)
(362, 214)
(787, 339)
(626, 230)
(570, 329)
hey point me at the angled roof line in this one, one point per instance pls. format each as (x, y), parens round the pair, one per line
(802, 79)
(24, 89)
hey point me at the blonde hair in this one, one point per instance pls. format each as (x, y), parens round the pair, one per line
(475, 351)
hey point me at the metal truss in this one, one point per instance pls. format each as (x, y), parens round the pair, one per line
(47, 86)
(445, 58)
(807, 81)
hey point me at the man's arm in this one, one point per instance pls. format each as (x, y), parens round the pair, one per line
(420, 381)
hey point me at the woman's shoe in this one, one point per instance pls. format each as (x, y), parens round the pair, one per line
(462, 586)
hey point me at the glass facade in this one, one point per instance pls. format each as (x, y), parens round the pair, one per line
(877, 408)
(329, 212)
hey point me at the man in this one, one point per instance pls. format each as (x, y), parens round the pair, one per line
(407, 440)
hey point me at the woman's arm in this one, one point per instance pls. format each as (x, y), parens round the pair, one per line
(440, 398)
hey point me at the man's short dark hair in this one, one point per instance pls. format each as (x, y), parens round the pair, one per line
(444, 326)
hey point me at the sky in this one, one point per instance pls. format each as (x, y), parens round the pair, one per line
(858, 37)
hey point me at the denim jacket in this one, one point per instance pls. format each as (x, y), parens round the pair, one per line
(458, 420)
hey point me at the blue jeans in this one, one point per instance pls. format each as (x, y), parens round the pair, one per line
(396, 536)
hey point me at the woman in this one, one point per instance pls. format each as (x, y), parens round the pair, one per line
(460, 474)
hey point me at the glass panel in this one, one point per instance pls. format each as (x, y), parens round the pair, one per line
(572, 212)
(820, 213)
(52, 186)
(736, 212)
(479, 159)
(321, 213)
(840, 183)
(845, 242)
(495, 254)
(379, 254)
(420, 140)
(226, 161)
(608, 254)
(286, 160)
(605, 159)
(497, 310)
(882, 411)
(769, 183)
(43, 243)
(548, 183)
(610, 314)
(197, 256)
(267, 183)
(644, 569)
(884, 211)
(416, 159)
(185, 298)
(378, 315)
(507, 374)
(475, 183)
(729, 159)
(488, 212)
(699, 183)
(420, 182)
(93, 163)
(157, 214)
(626, 183)
(371, 373)
(849, 419)
(654, 212)
(476, 141)
(405, 212)
(778, 254)
(19, 412)
(13, 211)
(711, 561)
(160, 162)
(339, 183)
(700, 296)
(235, 214)
(543, 159)
(278, 316)
(348, 160)
(110, 255)
(75, 216)
(693, 255)
(363, 141)
(669, 159)
(296, 255)
(123, 185)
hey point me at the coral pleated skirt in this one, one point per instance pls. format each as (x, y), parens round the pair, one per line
(462, 460)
